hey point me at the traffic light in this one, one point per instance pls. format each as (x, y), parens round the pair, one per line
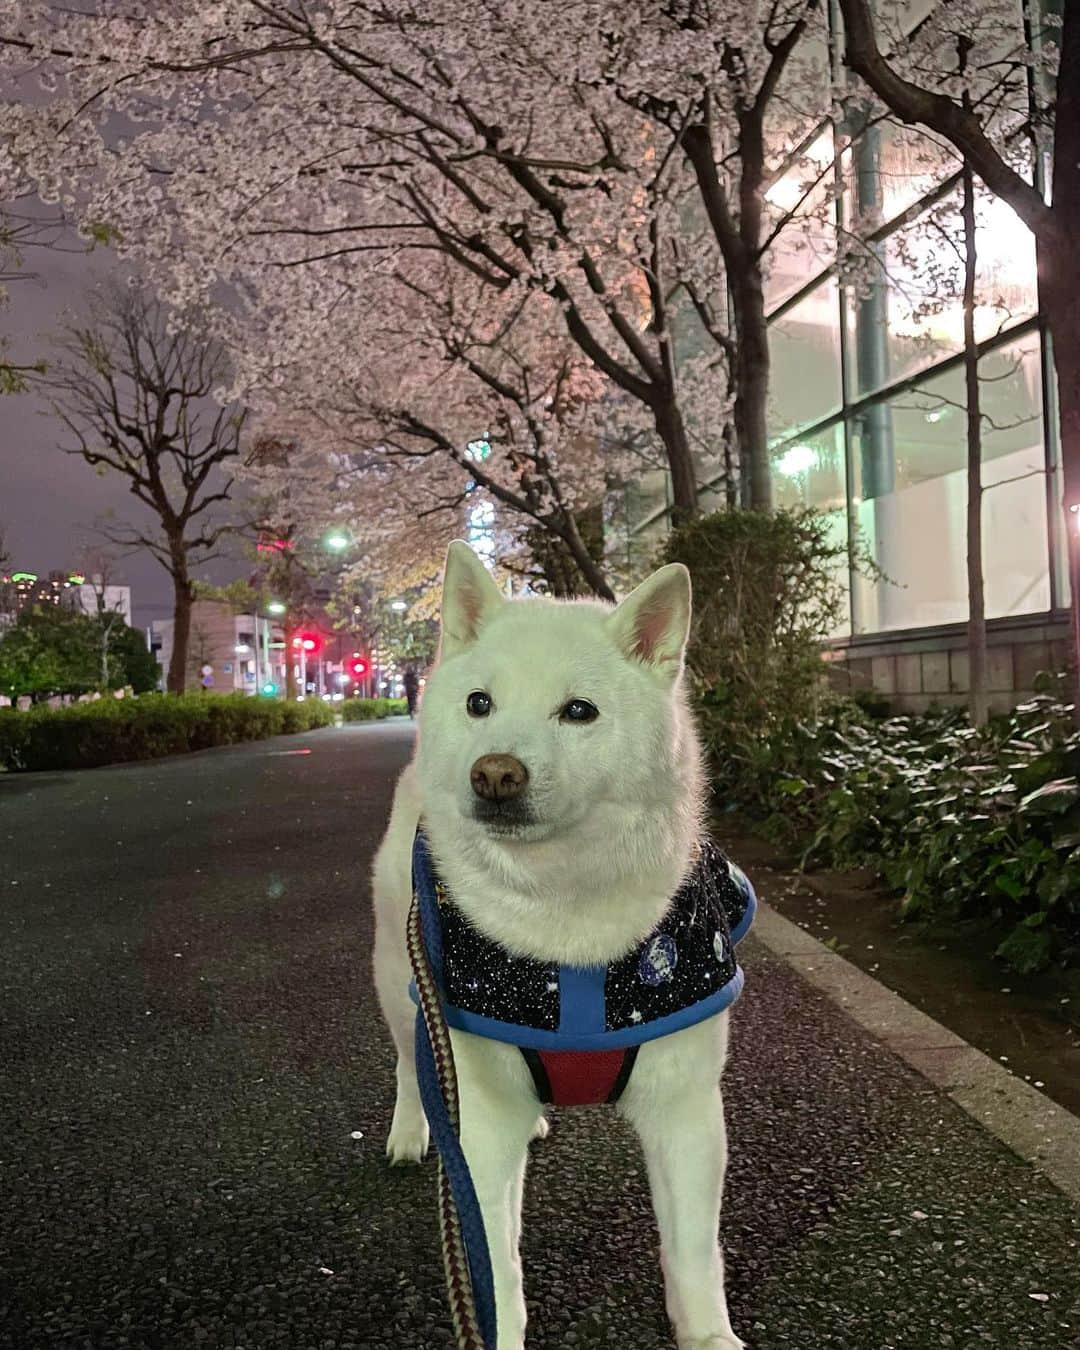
(359, 667)
(269, 689)
(309, 642)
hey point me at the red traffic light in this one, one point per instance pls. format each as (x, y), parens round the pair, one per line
(308, 641)
(359, 668)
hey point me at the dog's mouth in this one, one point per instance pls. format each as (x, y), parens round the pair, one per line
(503, 818)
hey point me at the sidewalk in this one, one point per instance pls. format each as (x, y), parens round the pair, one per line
(865, 1209)
(199, 1090)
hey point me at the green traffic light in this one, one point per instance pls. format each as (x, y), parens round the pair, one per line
(269, 690)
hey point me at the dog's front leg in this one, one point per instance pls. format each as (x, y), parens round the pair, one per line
(499, 1115)
(673, 1101)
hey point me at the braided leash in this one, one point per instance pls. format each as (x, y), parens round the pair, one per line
(466, 1260)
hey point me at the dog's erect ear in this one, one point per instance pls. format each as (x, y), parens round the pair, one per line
(652, 624)
(470, 598)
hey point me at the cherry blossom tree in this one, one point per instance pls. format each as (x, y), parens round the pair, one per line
(573, 150)
(451, 399)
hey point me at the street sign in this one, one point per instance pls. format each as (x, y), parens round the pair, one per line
(208, 681)
(207, 670)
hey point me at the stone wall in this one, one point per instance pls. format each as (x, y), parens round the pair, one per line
(916, 671)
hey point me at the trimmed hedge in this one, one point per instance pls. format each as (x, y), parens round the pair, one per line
(369, 709)
(114, 731)
(962, 823)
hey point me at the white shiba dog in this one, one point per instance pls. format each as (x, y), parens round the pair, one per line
(561, 786)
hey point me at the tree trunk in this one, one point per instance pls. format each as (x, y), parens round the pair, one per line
(672, 431)
(977, 701)
(588, 566)
(183, 599)
(731, 486)
(1059, 290)
(752, 390)
(290, 667)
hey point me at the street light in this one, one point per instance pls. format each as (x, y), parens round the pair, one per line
(275, 607)
(336, 540)
(399, 604)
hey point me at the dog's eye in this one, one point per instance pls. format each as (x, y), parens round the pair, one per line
(580, 710)
(478, 703)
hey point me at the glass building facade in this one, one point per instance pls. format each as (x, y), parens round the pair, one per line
(867, 413)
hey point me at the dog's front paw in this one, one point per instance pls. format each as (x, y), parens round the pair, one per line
(407, 1141)
(543, 1128)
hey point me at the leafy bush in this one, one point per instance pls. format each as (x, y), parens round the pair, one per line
(112, 731)
(368, 709)
(961, 822)
(767, 588)
(53, 650)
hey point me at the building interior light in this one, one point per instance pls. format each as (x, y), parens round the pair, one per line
(796, 460)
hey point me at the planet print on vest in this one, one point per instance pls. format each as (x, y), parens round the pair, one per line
(658, 960)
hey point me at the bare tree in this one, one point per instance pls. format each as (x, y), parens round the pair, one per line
(99, 569)
(137, 395)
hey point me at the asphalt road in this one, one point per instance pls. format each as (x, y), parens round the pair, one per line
(195, 1090)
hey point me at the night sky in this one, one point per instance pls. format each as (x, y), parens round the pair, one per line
(49, 501)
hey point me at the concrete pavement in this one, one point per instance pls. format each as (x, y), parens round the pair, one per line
(196, 1091)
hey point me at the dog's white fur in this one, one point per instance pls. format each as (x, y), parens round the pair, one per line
(618, 804)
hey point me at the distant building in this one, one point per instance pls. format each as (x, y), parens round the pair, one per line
(226, 643)
(92, 597)
(20, 590)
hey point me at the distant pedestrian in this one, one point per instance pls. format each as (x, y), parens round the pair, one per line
(411, 681)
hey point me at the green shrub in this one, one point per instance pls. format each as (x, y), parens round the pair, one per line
(112, 731)
(370, 709)
(767, 588)
(962, 823)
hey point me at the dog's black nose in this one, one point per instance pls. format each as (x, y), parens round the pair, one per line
(498, 778)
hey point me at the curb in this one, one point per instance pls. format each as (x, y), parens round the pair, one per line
(1034, 1127)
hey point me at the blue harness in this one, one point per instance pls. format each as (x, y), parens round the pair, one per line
(579, 1027)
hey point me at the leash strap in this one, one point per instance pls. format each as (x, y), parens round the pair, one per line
(466, 1258)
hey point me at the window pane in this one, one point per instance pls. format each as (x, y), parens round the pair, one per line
(801, 204)
(908, 313)
(1015, 544)
(804, 347)
(900, 319)
(910, 497)
(810, 472)
(890, 167)
(1005, 272)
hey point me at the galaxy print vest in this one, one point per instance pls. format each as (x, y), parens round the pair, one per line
(579, 1027)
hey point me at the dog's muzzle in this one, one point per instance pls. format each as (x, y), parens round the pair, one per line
(498, 778)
